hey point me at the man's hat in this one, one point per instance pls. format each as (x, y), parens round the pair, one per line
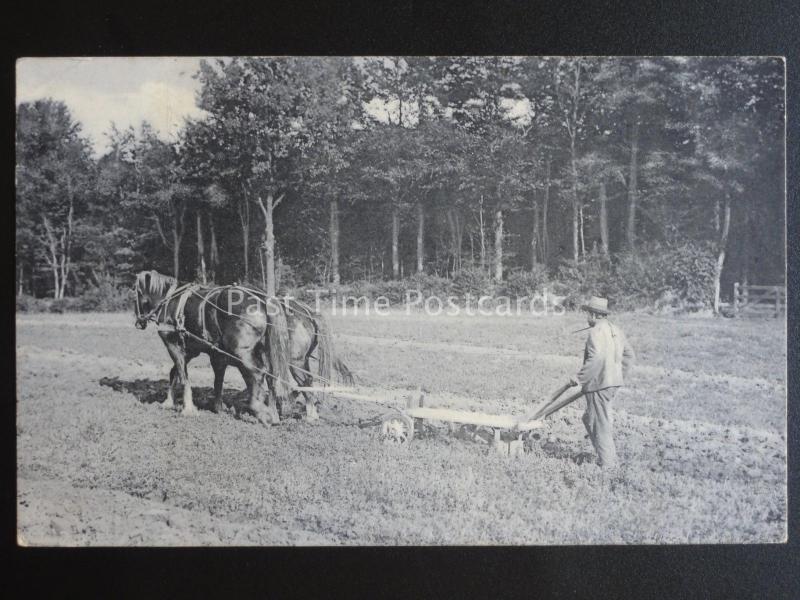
(597, 305)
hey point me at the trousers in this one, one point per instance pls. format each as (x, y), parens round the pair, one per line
(599, 422)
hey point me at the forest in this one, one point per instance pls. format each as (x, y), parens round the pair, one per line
(639, 178)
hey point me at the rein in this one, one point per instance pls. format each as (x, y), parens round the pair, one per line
(175, 291)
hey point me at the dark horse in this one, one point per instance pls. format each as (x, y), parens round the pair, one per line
(269, 340)
(309, 333)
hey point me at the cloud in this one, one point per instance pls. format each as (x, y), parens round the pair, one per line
(123, 91)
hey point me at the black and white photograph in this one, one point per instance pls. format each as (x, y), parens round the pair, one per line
(400, 300)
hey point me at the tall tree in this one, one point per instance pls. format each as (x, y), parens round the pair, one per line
(54, 178)
(258, 110)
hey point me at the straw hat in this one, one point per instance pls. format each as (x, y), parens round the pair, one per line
(597, 305)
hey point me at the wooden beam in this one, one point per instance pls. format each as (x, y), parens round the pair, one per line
(471, 418)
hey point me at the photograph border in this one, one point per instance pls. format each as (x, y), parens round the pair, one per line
(413, 28)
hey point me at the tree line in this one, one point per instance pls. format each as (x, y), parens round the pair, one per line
(324, 170)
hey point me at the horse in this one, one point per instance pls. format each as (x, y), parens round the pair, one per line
(232, 324)
(309, 332)
(295, 334)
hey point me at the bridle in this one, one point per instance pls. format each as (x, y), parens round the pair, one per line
(143, 319)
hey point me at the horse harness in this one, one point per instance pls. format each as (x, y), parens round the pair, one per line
(159, 315)
(183, 293)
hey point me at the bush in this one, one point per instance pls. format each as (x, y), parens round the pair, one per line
(430, 285)
(683, 274)
(26, 303)
(581, 279)
(103, 298)
(474, 281)
(520, 284)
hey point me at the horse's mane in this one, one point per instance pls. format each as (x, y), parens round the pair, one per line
(154, 283)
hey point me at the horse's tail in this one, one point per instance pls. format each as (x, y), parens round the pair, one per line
(277, 340)
(328, 359)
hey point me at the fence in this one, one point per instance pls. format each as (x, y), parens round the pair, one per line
(766, 300)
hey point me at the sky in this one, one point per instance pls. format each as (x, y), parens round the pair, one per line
(160, 90)
(125, 91)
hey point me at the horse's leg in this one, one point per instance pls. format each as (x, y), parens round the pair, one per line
(305, 379)
(174, 377)
(179, 356)
(270, 399)
(173, 380)
(188, 405)
(219, 364)
(257, 392)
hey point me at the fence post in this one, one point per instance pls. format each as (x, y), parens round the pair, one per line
(736, 299)
(745, 294)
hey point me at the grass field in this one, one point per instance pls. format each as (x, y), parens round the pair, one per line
(700, 431)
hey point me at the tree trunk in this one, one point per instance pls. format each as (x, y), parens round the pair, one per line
(498, 245)
(178, 229)
(53, 258)
(213, 249)
(243, 208)
(748, 240)
(456, 238)
(483, 235)
(535, 233)
(66, 242)
(420, 238)
(395, 243)
(723, 243)
(545, 203)
(575, 216)
(201, 250)
(603, 220)
(176, 252)
(261, 262)
(633, 186)
(334, 235)
(269, 240)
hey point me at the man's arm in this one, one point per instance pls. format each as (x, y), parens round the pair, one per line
(592, 363)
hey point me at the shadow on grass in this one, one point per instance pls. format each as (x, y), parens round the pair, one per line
(149, 391)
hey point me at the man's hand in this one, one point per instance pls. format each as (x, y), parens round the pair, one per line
(573, 382)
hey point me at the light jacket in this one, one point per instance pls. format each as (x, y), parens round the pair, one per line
(606, 359)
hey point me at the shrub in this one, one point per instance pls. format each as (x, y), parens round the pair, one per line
(394, 291)
(105, 297)
(286, 277)
(521, 284)
(474, 281)
(683, 273)
(27, 303)
(430, 285)
(581, 279)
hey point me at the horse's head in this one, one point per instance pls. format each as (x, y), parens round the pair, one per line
(150, 288)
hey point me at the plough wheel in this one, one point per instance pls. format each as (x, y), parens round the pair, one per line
(397, 428)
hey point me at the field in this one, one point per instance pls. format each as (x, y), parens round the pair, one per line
(700, 430)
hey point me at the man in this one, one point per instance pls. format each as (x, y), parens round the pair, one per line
(606, 360)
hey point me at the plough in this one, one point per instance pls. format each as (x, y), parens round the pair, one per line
(400, 425)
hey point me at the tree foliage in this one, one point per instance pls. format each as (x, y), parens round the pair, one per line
(375, 167)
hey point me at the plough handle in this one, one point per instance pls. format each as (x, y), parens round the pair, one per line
(551, 399)
(547, 411)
